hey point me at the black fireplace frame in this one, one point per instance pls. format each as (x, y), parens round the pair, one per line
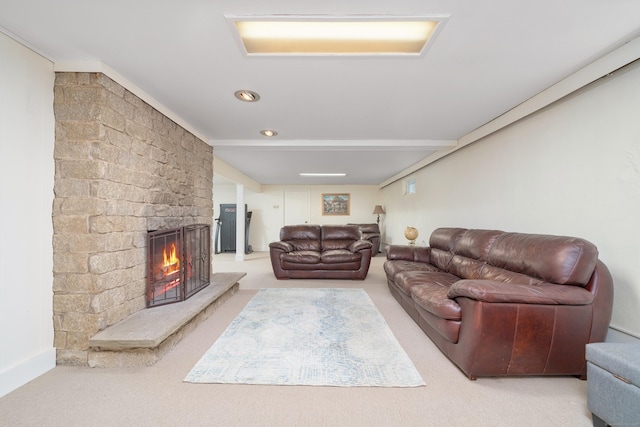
(193, 250)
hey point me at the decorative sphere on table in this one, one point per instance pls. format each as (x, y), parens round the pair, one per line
(411, 233)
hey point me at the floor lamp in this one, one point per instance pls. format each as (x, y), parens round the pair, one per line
(378, 211)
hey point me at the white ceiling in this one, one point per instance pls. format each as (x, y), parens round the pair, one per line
(370, 117)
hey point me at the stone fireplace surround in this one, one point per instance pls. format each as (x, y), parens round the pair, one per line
(121, 168)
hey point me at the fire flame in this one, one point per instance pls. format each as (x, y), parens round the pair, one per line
(171, 263)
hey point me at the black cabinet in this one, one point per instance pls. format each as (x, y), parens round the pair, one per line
(226, 229)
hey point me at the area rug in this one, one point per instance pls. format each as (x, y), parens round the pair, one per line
(315, 337)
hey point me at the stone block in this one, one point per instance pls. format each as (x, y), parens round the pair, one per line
(79, 243)
(142, 115)
(63, 303)
(70, 224)
(106, 224)
(78, 341)
(86, 78)
(110, 190)
(117, 313)
(137, 103)
(109, 280)
(121, 359)
(188, 144)
(121, 174)
(106, 152)
(84, 95)
(159, 155)
(72, 187)
(75, 283)
(69, 112)
(108, 299)
(112, 119)
(118, 241)
(137, 303)
(122, 208)
(71, 357)
(70, 263)
(80, 169)
(135, 224)
(80, 131)
(139, 272)
(103, 262)
(80, 206)
(118, 139)
(159, 126)
(66, 79)
(75, 150)
(136, 289)
(81, 322)
(110, 85)
(120, 106)
(134, 256)
(59, 339)
(136, 130)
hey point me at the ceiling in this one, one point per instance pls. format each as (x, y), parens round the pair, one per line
(370, 117)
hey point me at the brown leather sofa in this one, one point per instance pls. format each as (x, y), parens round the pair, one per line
(502, 304)
(371, 232)
(320, 252)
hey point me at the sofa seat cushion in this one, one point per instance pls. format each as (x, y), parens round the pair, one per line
(337, 256)
(392, 268)
(432, 297)
(407, 280)
(301, 257)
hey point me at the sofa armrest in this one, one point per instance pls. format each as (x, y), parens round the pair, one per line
(502, 292)
(409, 253)
(359, 245)
(283, 246)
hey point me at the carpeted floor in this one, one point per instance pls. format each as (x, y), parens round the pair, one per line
(308, 336)
(157, 395)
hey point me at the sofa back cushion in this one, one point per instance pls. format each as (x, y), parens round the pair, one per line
(339, 236)
(302, 237)
(471, 251)
(442, 242)
(555, 259)
(368, 228)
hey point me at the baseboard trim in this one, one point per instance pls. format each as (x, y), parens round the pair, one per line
(27, 370)
(616, 335)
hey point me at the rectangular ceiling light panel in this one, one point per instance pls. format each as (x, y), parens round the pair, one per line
(335, 36)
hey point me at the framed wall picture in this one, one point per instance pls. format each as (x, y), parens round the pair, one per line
(336, 204)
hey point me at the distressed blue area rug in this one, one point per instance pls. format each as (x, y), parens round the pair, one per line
(317, 337)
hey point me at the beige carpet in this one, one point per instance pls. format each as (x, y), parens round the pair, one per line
(157, 396)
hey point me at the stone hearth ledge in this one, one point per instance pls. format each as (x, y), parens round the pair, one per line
(144, 337)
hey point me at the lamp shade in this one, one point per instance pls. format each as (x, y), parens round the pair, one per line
(378, 210)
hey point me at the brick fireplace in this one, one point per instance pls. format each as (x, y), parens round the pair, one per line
(122, 168)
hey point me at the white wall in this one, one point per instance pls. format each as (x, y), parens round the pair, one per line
(267, 207)
(26, 230)
(570, 169)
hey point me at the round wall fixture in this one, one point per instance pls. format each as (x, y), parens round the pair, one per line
(247, 95)
(269, 133)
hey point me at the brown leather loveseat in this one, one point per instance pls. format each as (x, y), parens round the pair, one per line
(320, 252)
(500, 304)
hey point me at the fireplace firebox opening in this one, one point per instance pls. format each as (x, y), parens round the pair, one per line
(179, 263)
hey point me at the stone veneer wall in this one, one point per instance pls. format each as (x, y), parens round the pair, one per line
(122, 168)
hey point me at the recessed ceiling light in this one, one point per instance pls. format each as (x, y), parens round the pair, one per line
(321, 174)
(268, 132)
(336, 35)
(247, 95)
